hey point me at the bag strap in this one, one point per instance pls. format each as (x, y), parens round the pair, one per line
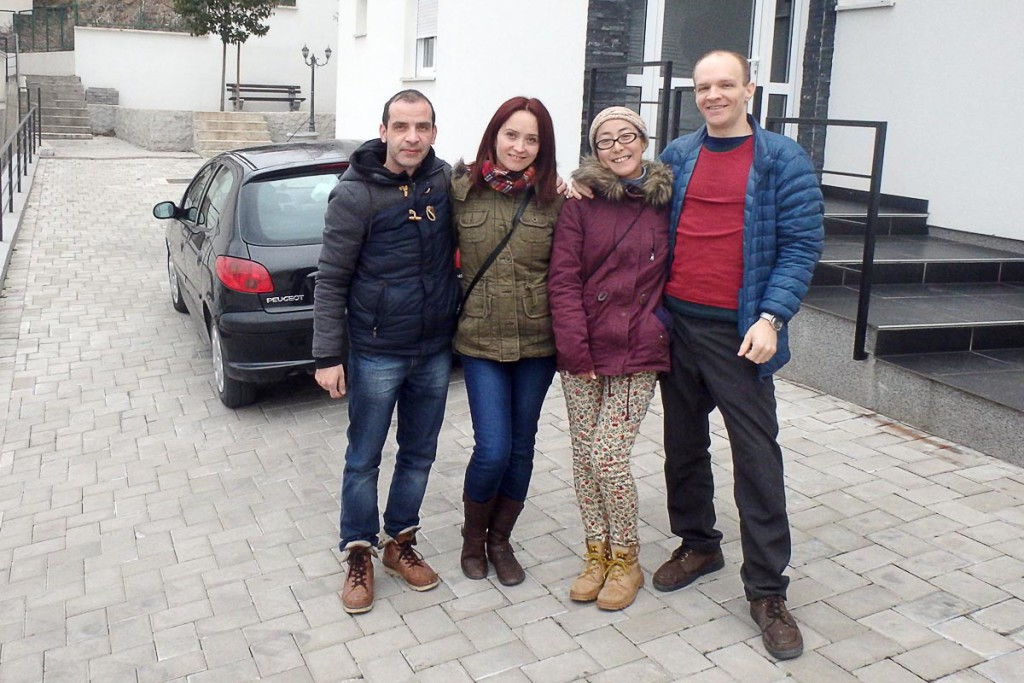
(615, 246)
(497, 250)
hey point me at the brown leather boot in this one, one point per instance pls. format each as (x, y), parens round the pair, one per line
(623, 580)
(474, 536)
(402, 559)
(779, 631)
(499, 551)
(589, 582)
(357, 593)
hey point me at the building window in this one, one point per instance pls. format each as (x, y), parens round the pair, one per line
(360, 19)
(426, 37)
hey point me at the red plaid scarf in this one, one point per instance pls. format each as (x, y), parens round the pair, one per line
(507, 182)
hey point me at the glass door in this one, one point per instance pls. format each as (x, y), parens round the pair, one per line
(770, 32)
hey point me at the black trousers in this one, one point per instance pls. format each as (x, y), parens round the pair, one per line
(706, 372)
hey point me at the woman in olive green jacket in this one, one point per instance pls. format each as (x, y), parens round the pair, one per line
(504, 334)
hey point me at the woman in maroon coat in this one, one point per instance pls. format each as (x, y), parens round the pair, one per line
(608, 269)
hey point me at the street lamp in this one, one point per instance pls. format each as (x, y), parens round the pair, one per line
(312, 63)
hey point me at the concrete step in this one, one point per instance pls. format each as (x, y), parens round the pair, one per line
(48, 135)
(221, 145)
(51, 80)
(228, 116)
(822, 346)
(215, 125)
(232, 135)
(67, 118)
(62, 100)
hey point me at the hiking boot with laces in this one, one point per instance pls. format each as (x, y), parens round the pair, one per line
(590, 581)
(402, 559)
(623, 578)
(685, 566)
(779, 632)
(357, 593)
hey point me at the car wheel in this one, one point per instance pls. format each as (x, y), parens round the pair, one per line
(175, 283)
(232, 392)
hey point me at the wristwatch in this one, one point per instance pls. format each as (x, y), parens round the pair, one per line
(775, 320)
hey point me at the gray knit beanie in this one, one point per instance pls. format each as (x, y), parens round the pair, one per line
(624, 113)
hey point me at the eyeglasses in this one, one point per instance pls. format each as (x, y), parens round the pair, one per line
(624, 139)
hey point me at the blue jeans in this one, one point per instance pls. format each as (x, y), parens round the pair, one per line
(505, 400)
(376, 383)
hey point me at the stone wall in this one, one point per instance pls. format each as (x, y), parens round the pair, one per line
(817, 76)
(172, 131)
(101, 95)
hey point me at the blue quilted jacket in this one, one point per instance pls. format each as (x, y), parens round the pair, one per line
(782, 227)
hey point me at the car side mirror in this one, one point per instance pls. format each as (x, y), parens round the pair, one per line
(165, 210)
(170, 210)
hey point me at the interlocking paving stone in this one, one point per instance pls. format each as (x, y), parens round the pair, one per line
(147, 533)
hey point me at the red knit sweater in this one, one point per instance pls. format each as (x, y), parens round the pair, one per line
(707, 266)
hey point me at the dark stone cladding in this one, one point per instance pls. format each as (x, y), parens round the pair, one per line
(817, 76)
(608, 24)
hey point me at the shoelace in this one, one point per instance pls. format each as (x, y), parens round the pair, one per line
(408, 555)
(358, 564)
(594, 560)
(775, 608)
(616, 567)
(679, 554)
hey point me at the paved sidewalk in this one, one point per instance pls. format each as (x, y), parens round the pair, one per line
(148, 534)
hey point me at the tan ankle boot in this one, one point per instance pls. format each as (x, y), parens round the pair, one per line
(623, 579)
(588, 584)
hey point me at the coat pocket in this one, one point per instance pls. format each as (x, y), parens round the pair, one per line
(472, 226)
(535, 302)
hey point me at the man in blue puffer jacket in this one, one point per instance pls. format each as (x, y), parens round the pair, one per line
(745, 235)
(387, 281)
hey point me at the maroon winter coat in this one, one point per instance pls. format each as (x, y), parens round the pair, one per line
(608, 269)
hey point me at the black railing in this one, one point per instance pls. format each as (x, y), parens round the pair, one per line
(594, 98)
(16, 156)
(874, 202)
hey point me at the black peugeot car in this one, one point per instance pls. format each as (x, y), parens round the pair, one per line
(242, 251)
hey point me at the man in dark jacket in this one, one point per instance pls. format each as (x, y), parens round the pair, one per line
(745, 232)
(387, 283)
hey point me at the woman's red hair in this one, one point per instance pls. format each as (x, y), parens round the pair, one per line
(545, 179)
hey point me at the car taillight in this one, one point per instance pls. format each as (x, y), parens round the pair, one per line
(243, 275)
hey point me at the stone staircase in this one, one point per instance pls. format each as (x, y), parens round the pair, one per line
(62, 100)
(216, 131)
(945, 332)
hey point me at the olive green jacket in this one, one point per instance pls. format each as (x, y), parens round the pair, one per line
(507, 315)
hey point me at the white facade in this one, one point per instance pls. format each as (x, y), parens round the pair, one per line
(159, 70)
(943, 73)
(486, 52)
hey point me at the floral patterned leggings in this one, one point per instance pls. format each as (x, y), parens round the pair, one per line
(604, 418)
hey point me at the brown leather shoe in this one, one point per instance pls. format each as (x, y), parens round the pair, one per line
(685, 566)
(474, 537)
(779, 632)
(357, 593)
(402, 559)
(499, 550)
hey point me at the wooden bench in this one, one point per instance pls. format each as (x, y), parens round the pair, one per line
(262, 92)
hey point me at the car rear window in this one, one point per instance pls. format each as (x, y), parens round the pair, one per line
(285, 210)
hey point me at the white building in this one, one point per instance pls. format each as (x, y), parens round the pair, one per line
(938, 71)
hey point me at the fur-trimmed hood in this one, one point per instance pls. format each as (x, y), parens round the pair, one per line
(656, 187)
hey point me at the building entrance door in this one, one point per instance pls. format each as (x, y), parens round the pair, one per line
(769, 32)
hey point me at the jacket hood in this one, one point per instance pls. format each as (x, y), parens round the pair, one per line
(656, 188)
(369, 159)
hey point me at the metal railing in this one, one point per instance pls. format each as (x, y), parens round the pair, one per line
(16, 156)
(661, 137)
(874, 202)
